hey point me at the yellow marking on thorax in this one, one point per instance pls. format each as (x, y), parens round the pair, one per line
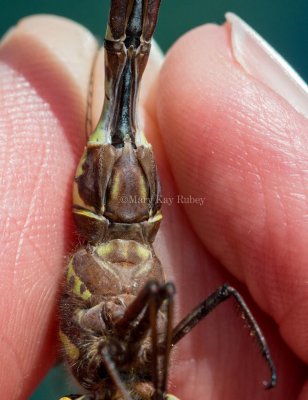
(142, 252)
(83, 397)
(98, 137)
(85, 294)
(157, 217)
(105, 249)
(115, 188)
(71, 350)
(123, 250)
(83, 159)
(143, 190)
(77, 200)
(88, 213)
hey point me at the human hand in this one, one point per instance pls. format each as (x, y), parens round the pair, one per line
(45, 68)
(231, 139)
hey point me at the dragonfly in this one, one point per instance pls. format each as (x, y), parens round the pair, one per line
(116, 307)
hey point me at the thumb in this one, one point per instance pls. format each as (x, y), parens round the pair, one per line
(45, 65)
(226, 109)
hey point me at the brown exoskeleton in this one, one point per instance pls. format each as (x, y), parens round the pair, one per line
(116, 308)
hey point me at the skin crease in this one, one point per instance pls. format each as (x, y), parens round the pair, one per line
(217, 133)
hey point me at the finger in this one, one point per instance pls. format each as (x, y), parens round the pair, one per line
(45, 69)
(234, 142)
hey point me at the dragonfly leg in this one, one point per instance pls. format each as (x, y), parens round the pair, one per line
(127, 322)
(209, 304)
(160, 366)
(170, 291)
(113, 373)
(149, 302)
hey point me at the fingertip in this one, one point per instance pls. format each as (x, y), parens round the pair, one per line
(237, 143)
(68, 45)
(51, 56)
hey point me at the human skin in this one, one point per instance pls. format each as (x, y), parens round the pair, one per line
(217, 134)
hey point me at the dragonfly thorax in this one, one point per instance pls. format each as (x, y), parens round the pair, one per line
(124, 201)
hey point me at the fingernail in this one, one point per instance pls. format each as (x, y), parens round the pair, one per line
(263, 62)
(157, 53)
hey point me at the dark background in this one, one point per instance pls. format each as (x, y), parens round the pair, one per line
(283, 23)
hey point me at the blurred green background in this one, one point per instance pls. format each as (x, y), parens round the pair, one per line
(282, 22)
